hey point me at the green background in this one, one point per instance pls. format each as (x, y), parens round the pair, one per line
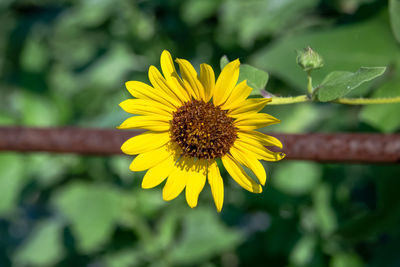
(65, 63)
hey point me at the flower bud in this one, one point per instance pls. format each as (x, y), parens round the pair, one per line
(309, 60)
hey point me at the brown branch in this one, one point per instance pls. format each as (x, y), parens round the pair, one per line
(343, 147)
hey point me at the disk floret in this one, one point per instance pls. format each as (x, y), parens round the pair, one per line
(203, 130)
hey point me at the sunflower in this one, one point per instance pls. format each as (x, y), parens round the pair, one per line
(192, 122)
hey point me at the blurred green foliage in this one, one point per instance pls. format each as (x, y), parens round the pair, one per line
(65, 63)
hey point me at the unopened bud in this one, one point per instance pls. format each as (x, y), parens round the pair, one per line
(309, 60)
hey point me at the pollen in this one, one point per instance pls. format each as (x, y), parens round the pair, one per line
(203, 130)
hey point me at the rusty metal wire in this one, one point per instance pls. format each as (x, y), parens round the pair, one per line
(340, 147)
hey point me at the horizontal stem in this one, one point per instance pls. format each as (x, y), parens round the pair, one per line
(368, 101)
(288, 100)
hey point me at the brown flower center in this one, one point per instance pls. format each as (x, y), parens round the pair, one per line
(202, 130)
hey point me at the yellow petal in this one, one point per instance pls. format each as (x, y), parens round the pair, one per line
(170, 74)
(158, 81)
(151, 158)
(207, 78)
(145, 107)
(264, 139)
(143, 91)
(195, 182)
(251, 121)
(239, 94)
(189, 75)
(216, 184)
(158, 173)
(145, 142)
(226, 82)
(249, 105)
(259, 151)
(177, 180)
(239, 175)
(251, 162)
(152, 123)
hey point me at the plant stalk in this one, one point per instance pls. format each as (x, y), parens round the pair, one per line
(289, 100)
(309, 83)
(368, 101)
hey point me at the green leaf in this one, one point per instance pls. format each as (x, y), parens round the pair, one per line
(339, 83)
(92, 210)
(303, 251)
(37, 110)
(325, 214)
(124, 258)
(203, 237)
(35, 55)
(43, 247)
(394, 11)
(256, 78)
(296, 178)
(346, 260)
(223, 62)
(92, 12)
(11, 181)
(194, 11)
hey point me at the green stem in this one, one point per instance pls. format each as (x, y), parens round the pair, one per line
(309, 84)
(288, 100)
(367, 101)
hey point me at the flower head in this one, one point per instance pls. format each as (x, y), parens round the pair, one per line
(192, 122)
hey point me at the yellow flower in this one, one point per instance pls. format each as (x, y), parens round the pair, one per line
(193, 121)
